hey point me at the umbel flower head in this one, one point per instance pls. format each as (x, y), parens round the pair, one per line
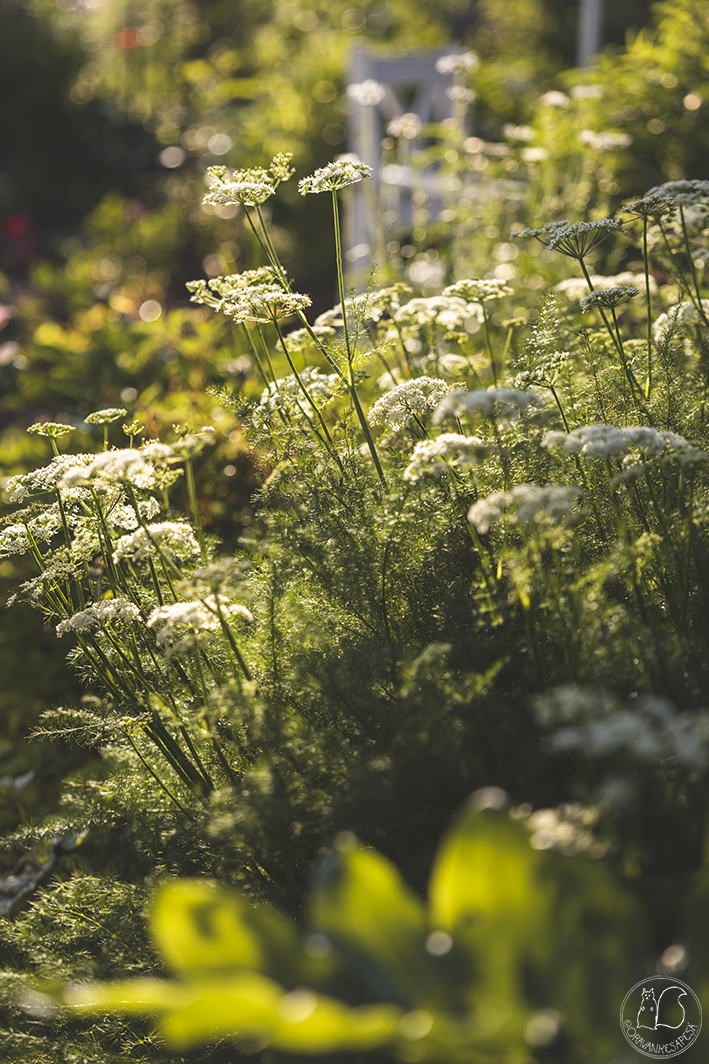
(264, 303)
(369, 93)
(218, 290)
(247, 187)
(609, 441)
(477, 289)
(651, 206)
(254, 295)
(49, 428)
(109, 611)
(488, 403)
(347, 170)
(681, 193)
(431, 457)
(527, 504)
(574, 239)
(457, 62)
(413, 397)
(609, 298)
(105, 416)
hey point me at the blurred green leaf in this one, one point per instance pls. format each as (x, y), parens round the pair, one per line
(364, 906)
(545, 930)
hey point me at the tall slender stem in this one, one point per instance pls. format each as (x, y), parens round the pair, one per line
(350, 370)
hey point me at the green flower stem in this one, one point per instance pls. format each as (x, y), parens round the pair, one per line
(106, 673)
(163, 786)
(254, 352)
(488, 341)
(105, 540)
(646, 261)
(402, 341)
(506, 349)
(330, 446)
(194, 507)
(560, 408)
(266, 352)
(232, 643)
(693, 270)
(175, 756)
(350, 372)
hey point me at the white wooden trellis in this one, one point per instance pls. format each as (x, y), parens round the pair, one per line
(412, 85)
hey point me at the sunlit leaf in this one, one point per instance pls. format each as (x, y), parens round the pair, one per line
(364, 906)
(546, 931)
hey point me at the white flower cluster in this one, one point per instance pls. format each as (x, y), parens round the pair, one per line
(608, 141)
(13, 540)
(370, 306)
(574, 239)
(459, 61)
(108, 611)
(417, 396)
(338, 174)
(477, 289)
(283, 394)
(126, 464)
(248, 187)
(17, 538)
(229, 288)
(254, 295)
(678, 318)
(608, 441)
(489, 403)
(105, 416)
(297, 339)
(432, 457)
(174, 539)
(576, 288)
(53, 429)
(567, 828)
(46, 478)
(683, 193)
(523, 134)
(609, 297)
(198, 618)
(369, 93)
(649, 729)
(447, 311)
(553, 98)
(525, 505)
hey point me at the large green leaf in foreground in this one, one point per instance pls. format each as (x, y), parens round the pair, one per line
(517, 946)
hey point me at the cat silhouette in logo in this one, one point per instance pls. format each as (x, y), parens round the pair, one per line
(652, 1008)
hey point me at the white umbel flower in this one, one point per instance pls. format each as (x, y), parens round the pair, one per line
(432, 457)
(489, 403)
(13, 540)
(609, 441)
(187, 625)
(417, 396)
(338, 174)
(173, 538)
(109, 611)
(126, 464)
(46, 478)
(527, 504)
